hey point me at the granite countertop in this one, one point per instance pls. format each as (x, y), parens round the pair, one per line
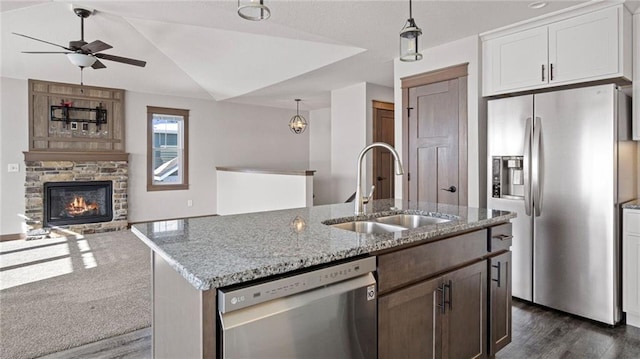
(632, 205)
(216, 251)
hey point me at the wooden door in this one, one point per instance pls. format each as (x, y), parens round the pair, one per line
(464, 326)
(434, 142)
(499, 302)
(409, 322)
(383, 166)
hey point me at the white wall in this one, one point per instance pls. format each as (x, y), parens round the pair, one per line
(320, 154)
(348, 137)
(14, 132)
(351, 131)
(220, 134)
(453, 53)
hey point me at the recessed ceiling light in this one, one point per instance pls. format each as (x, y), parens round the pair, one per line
(538, 4)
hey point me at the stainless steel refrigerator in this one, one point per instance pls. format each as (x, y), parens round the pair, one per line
(564, 162)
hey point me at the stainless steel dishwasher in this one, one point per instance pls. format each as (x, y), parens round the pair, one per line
(326, 313)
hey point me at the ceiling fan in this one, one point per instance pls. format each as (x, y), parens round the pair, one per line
(83, 54)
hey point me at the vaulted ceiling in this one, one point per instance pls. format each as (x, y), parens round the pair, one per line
(203, 49)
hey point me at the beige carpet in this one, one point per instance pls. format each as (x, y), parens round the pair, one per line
(58, 293)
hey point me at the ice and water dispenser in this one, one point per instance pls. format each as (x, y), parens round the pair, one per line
(507, 177)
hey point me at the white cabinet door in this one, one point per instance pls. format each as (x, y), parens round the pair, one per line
(584, 47)
(517, 61)
(631, 266)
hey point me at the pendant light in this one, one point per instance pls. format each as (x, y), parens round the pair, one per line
(297, 124)
(409, 38)
(253, 10)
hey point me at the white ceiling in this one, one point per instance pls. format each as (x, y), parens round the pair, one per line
(203, 49)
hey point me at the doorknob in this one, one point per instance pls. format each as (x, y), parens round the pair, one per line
(379, 178)
(451, 189)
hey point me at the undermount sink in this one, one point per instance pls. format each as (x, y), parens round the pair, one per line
(388, 224)
(368, 227)
(411, 220)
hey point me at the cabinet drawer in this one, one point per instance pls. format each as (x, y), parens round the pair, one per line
(410, 264)
(500, 238)
(632, 221)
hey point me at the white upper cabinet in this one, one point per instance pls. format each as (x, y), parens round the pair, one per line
(584, 45)
(517, 61)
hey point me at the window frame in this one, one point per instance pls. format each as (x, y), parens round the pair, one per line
(151, 186)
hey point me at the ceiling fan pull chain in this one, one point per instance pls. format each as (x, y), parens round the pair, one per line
(81, 80)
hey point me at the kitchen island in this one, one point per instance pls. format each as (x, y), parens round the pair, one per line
(193, 257)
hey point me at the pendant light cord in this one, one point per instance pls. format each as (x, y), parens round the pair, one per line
(410, 15)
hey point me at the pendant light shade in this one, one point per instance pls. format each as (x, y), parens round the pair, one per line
(253, 10)
(297, 124)
(409, 40)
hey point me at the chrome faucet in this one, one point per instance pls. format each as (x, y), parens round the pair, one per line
(361, 200)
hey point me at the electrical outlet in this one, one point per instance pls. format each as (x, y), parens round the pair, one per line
(13, 167)
(189, 203)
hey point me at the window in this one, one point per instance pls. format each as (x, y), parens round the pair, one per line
(167, 149)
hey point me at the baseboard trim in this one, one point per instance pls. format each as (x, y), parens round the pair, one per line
(12, 237)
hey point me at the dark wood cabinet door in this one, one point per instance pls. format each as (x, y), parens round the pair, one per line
(499, 302)
(464, 325)
(409, 322)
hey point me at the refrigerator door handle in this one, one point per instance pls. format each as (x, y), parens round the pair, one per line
(527, 166)
(536, 171)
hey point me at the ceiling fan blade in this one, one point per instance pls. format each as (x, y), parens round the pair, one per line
(96, 46)
(46, 52)
(98, 65)
(46, 42)
(123, 60)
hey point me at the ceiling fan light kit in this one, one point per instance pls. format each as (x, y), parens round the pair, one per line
(254, 10)
(81, 60)
(409, 40)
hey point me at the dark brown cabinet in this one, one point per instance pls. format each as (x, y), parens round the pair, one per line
(464, 323)
(446, 299)
(443, 317)
(409, 322)
(499, 302)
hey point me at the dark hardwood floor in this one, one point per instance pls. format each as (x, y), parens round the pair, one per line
(537, 333)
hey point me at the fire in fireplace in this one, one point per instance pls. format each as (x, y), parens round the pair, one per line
(77, 202)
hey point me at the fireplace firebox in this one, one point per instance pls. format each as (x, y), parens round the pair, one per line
(77, 202)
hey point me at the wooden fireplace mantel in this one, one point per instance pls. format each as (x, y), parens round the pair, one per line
(50, 155)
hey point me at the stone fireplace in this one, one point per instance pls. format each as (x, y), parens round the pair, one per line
(65, 182)
(76, 166)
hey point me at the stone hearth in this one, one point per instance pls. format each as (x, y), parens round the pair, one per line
(40, 172)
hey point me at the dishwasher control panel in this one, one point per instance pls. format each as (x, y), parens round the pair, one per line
(230, 300)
